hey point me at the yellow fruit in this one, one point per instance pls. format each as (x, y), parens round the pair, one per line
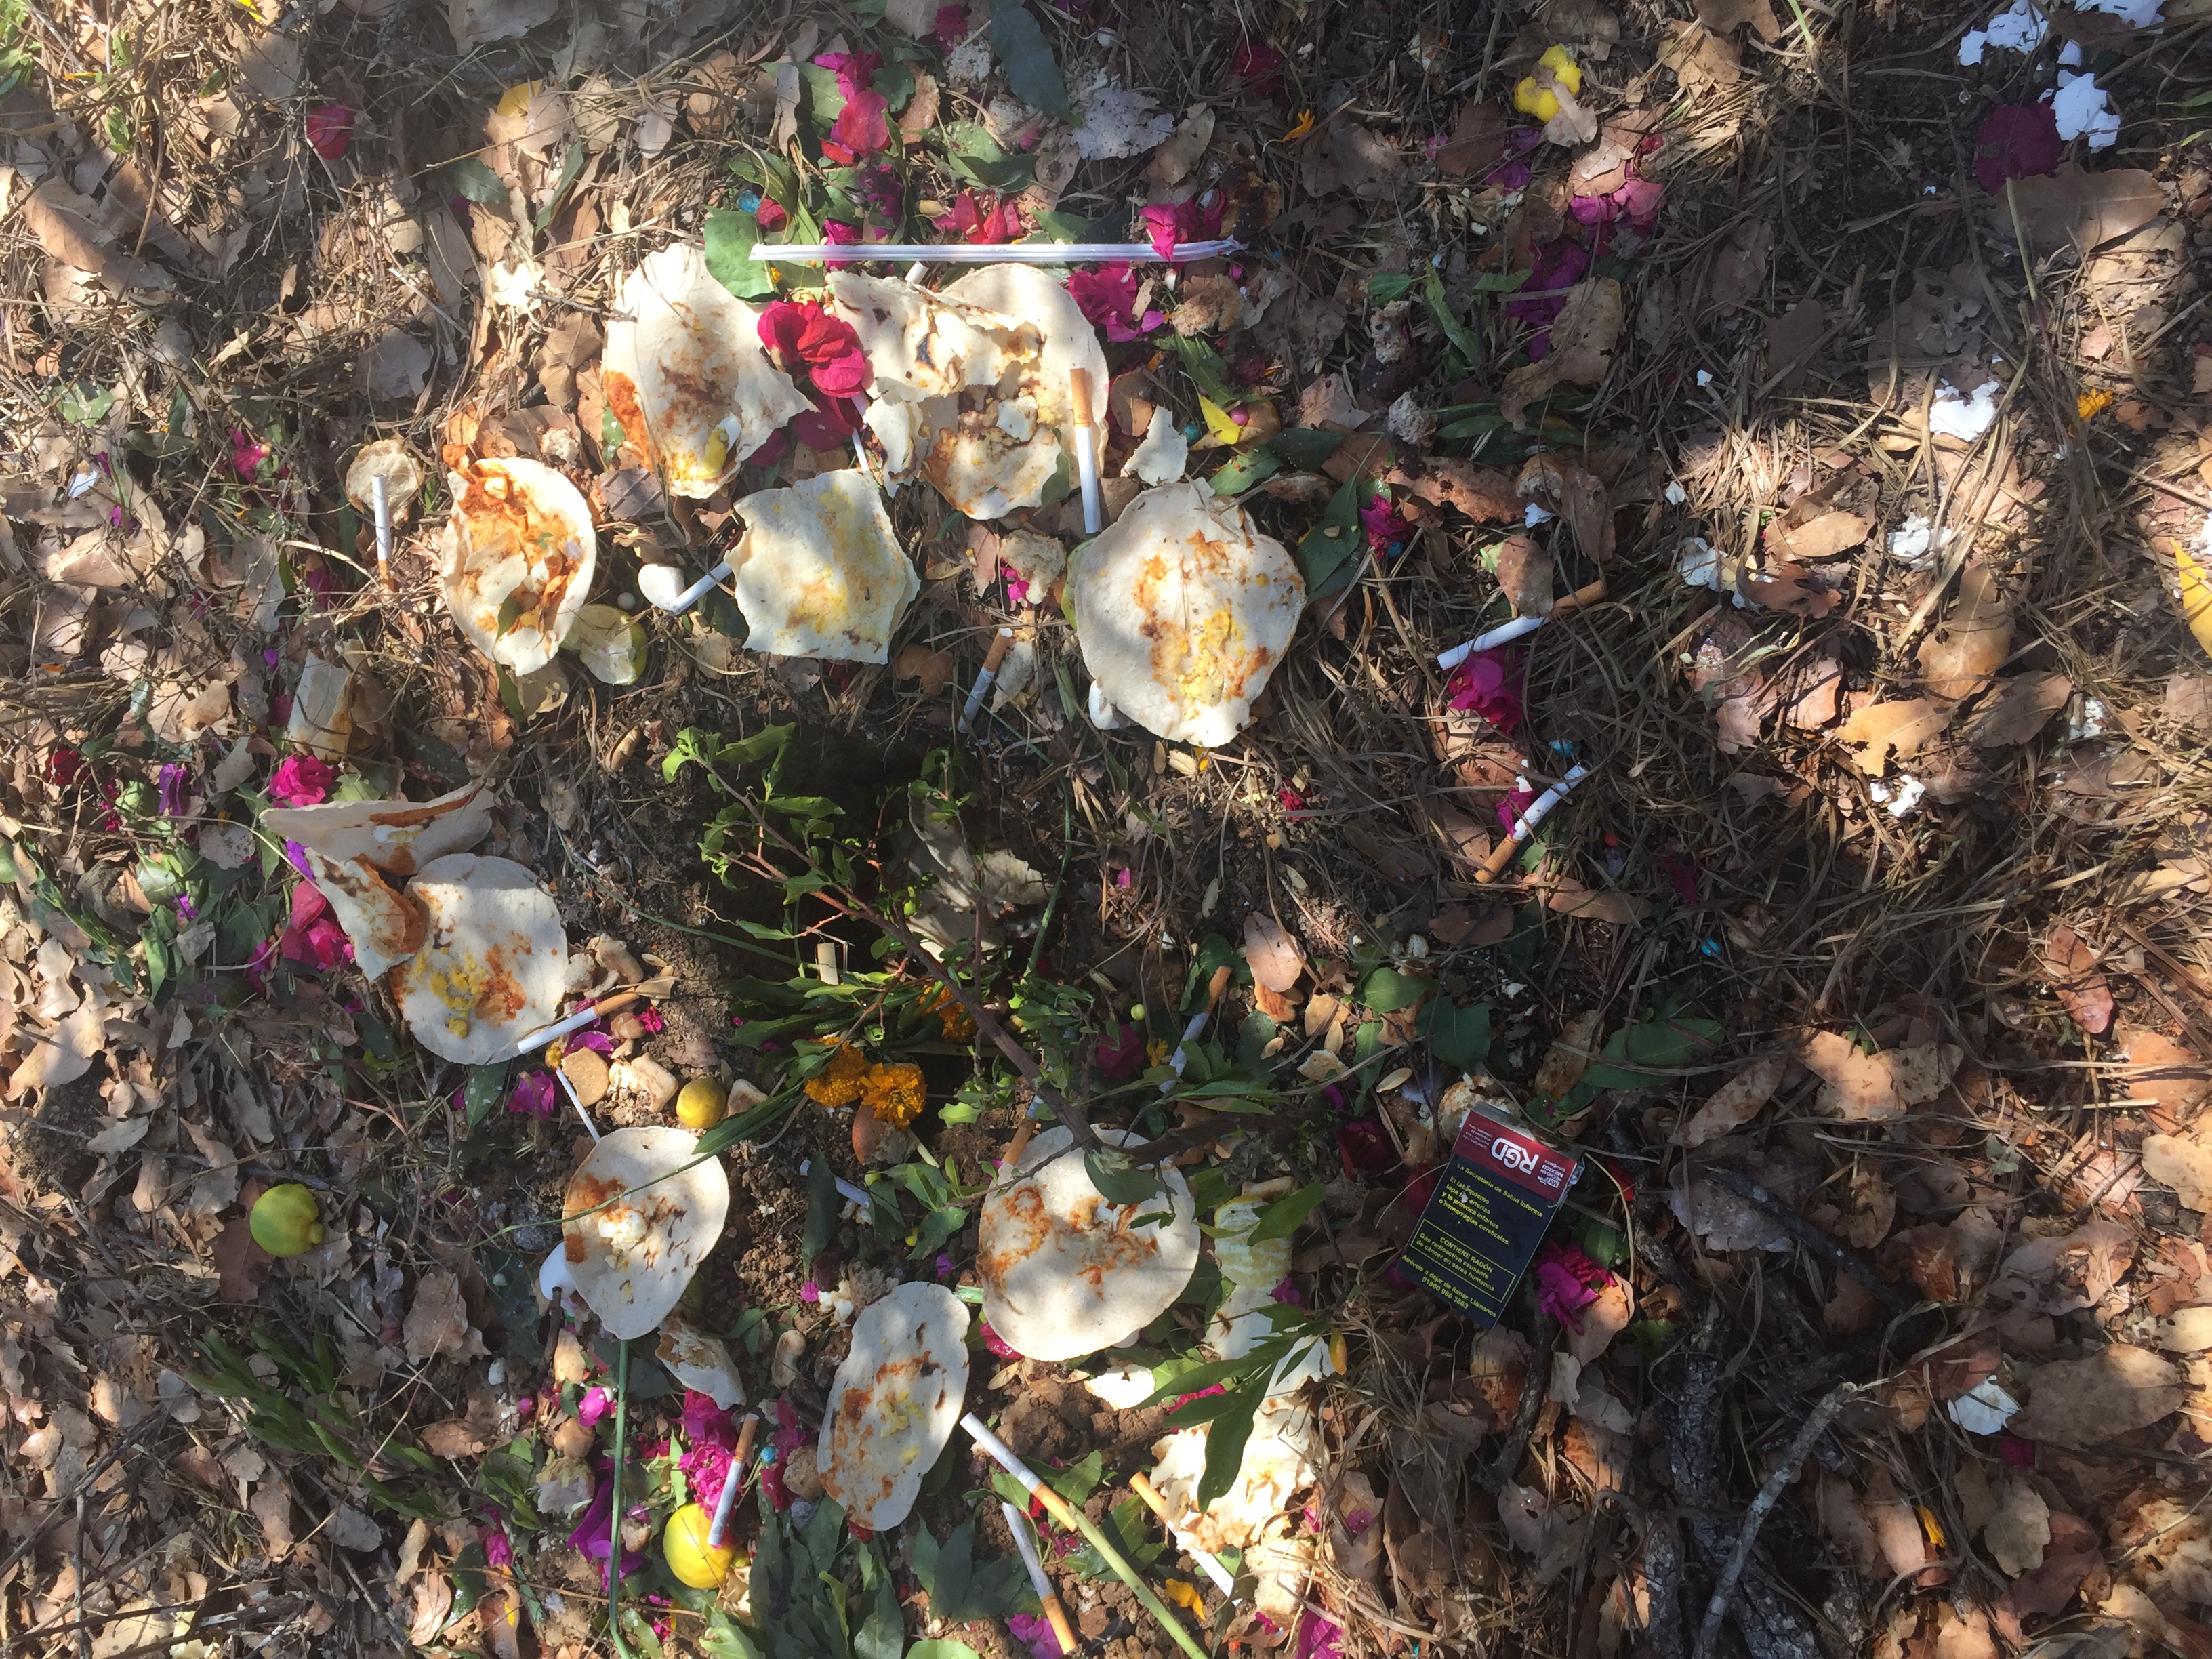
(284, 1222)
(703, 1104)
(1533, 99)
(684, 1544)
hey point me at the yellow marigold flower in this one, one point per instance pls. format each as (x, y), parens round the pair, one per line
(1184, 1594)
(2091, 404)
(895, 1094)
(1300, 128)
(952, 1018)
(839, 1085)
(1157, 1052)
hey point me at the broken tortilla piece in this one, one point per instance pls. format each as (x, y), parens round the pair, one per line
(397, 837)
(640, 1214)
(686, 376)
(1183, 610)
(895, 1403)
(384, 925)
(921, 344)
(1279, 1460)
(1066, 1273)
(700, 1361)
(493, 961)
(819, 572)
(519, 553)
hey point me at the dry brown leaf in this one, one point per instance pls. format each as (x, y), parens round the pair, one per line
(2076, 208)
(1180, 153)
(1525, 576)
(2188, 697)
(2163, 1071)
(1576, 495)
(1456, 925)
(437, 1322)
(1843, 1517)
(1896, 1528)
(1739, 267)
(1821, 538)
(239, 1263)
(2075, 1403)
(920, 114)
(1860, 1088)
(68, 229)
(1328, 402)
(1736, 1102)
(2183, 1163)
(2023, 705)
(1701, 60)
(1271, 953)
(1961, 657)
(1787, 586)
(1477, 138)
(1606, 904)
(455, 1437)
(1962, 1632)
(1792, 340)
(1601, 1320)
(1483, 493)
(1345, 156)
(2071, 965)
(433, 1600)
(934, 669)
(1882, 729)
(1582, 340)
(2069, 1557)
(272, 1507)
(2017, 1528)
(1569, 1056)
(476, 21)
(1722, 15)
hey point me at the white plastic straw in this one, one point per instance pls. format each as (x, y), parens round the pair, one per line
(999, 1452)
(698, 589)
(853, 1194)
(569, 1090)
(381, 493)
(1191, 1031)
(1503, 634)
(994, 254)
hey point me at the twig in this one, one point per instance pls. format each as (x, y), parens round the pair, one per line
(1784, 1216)
(160, 1416)
(1792, 1464)
(1535, 1388)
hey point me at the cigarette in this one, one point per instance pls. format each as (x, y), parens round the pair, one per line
(917, 270)
(691, 595)
(575, 1100)
(732, 1481)
(1000, 253)
(1086, 452)
(1525, 825)
(1196, 1027)
(1506, 633)
(575, 1021)
(1001, 642)
(1208, 1564)
(1018, 1523)
(380, 493)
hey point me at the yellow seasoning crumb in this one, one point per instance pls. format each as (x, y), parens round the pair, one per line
(1184, 1594)
(1533, 97)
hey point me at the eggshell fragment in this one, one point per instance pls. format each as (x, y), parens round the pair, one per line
(895, 1402)
(520, 554)
(493, 962)
(1183, 610)
(640, 1214)
(819, 572)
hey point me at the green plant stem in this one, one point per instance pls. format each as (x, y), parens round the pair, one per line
(1127, 1574)
(615, 1550)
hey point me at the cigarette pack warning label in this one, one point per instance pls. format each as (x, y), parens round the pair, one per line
(1486, 1216)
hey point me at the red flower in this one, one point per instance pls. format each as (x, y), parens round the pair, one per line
(62, 767)
(1388, 530)
(313, 936)
(862, 127)
(1107, 299)
(2019, 141)
(1567, 1281)
(1363, 1147)
(769, 216)
(825, 347)
(1509, 809)
(971, 223)
(854, 69)
(1121, 1055)
(1485, 684)
(1195, 221)
(330, 129)
(952, 27)
(1260, 67)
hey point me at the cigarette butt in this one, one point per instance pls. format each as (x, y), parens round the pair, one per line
(1020, 1143)
(1078, 387)
(1001, 642)
(1216, 986)
(1062, 1630)
(1500, 856)
(1581, 599)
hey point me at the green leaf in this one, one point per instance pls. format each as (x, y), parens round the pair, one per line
(1460, 1036)
(1386, 286)
(572, 163)
(825, 102)
(1247, 469)
(1331, 543)
(1020, 48)
(942, 1647)
(1388, 991)
(822, 1203)
(1210, 1189)
(1642, 1056)
(1129, 1524)
(1281, 1218)
(726, 1638)
(482, 1091)
(1206, 370)
(730, 238)
(1225, 1443)
(1118, 1180)
(1495, 282)
(472, 177)
(1463, 337)
(1078, 1480)
(959, 1588)
(83, 404)
(1305, 446)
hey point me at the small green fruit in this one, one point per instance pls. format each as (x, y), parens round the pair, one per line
(283, 1221)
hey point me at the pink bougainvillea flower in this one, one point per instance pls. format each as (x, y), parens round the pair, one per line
(973, 222)
(1033, 1630)
(596, 1404)
(247, 453)
(1363, 1147)
(1388, 530)
(712, 1441)
(997, 1344)
(769, 216)
(301, 781)
(1509, 809)
(535, 1095)
(1557, 266)
(1121, 1055)
(1289, 800)
(1317, 1637)
(951, 26)
(1567, 1281)
(2019, 141)
(592, 1534)
(498, 1548)
(853, 70)
(313, 936)
(330, 129)
(1195, 221)
(1107, 299)
(652, 1020)
(1488, 683)
(806, 337)
(863, 127)
(1260, 67)
(879, 188)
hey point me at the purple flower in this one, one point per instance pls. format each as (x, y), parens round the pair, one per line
(651, 1019)
(946, 1265)
(301, 781)
(246, 454)
(596, 1404)
(534, 1095)
(187, 910)
(498, 1549)
(1509, 809)
(174, 785)
(1485, 683)
(810, 1293)
(296, 856)
(593, 1536)
(2019, 141)
(1034, 1632)
(1567, 1281)
(712, 1441)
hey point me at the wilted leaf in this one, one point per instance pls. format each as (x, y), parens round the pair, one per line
(1861, 1088)
(1525, 576)
(1606, 904)
(396, 366)
(272, 1507)
(2085, 1402)
(1961, 657)
(1787, 586)
(1739, 267)
(1176, 157)
(1821, 538)
(437, 1322)
(1736, 1102)
(2017, 1528)
(1477, 138)
(1962, 1632)
(1882, 729)
(1031, 73)
(1569, 1056)
(2071, 967)
(2021, 708)
(1576, 494)
(1582, 342)
(933, 669)
(1701, 60)
(2183, 1163)
(1346, 155)
(1483, 493)
(1275, 957)
(1722, 15)
(239, 1263)
(455, 1437)
(2077, 208)
(1792, 337)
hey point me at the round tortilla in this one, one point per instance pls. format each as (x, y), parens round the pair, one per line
(520, 549)
(493, 962)
(1183, 610)
(632, 1259)
(686, 376)
(1065, 1272)
(895, 1402)
(819, 572)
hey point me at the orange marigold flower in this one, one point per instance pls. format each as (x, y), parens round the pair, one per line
(839, 1084)
(895, 1094)
(952, 1018)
